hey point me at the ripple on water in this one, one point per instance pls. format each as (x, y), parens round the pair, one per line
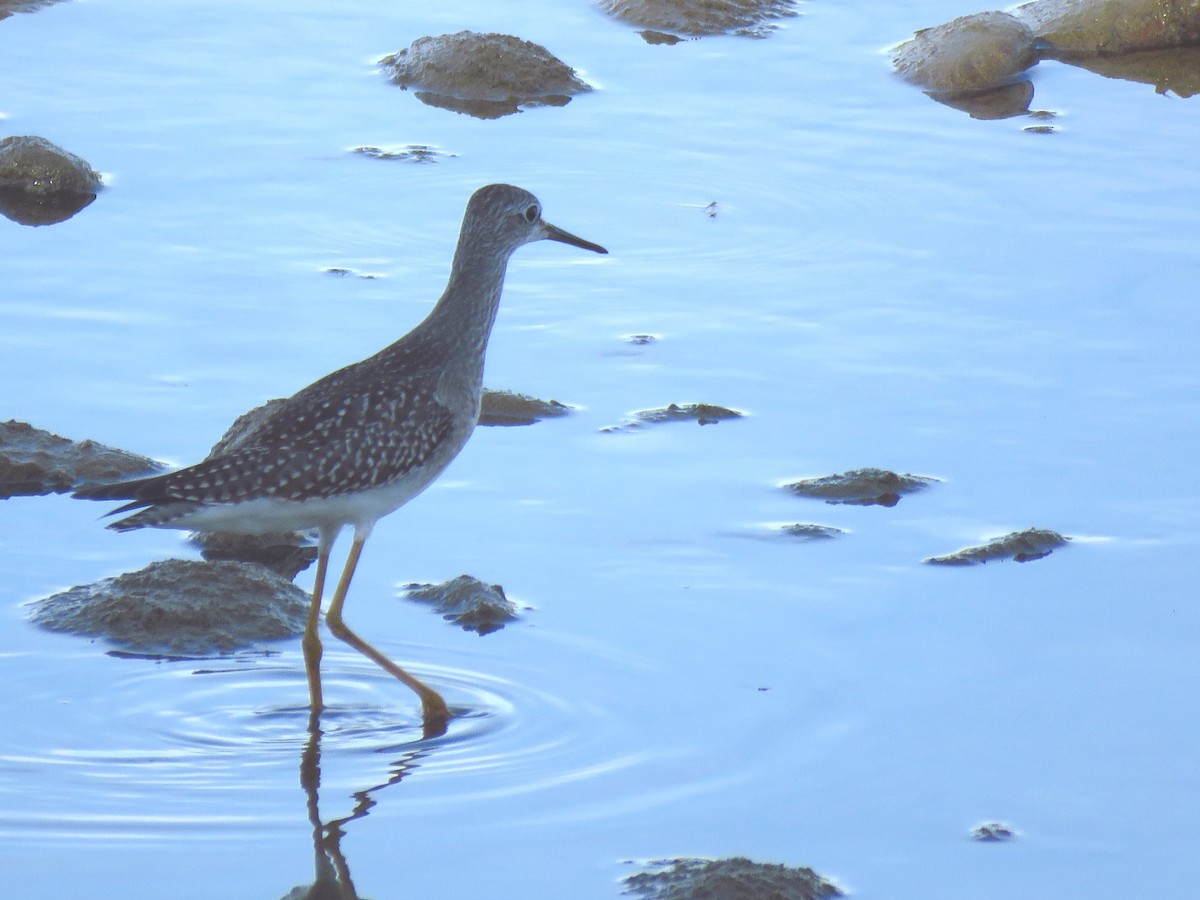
(219, 744)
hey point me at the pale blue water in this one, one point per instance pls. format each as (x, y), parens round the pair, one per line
(886, 282)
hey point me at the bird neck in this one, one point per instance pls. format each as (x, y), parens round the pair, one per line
(468, 306)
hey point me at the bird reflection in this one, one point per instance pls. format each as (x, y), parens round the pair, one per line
(332, 879)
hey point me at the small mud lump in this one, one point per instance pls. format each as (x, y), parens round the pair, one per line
(467, 602)
(861, 487)
(700, 413)
(1023, 546)
(483, 75)
(992, 832)
(511, 408)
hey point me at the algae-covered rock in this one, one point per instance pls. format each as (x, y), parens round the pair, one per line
(972, 53)
(180, 608)
(1023, 546)
(483, 75)
(696, 18)
(33, 461)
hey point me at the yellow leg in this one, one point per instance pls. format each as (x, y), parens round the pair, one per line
(312, 638)
(433, 707)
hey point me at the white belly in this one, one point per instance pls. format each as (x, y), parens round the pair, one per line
(268, 515)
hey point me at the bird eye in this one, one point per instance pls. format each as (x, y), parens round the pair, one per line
(531, 214)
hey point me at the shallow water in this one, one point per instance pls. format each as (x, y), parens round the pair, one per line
(886, 282)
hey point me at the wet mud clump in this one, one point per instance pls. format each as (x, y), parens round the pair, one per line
(1022, 546)
(467, 602)
(727, 879)
(181, 608)
(697, 18)
(700, 413)
(483, 75)
(861, 487)
(33, 461)
(510, 408)
(41, 183)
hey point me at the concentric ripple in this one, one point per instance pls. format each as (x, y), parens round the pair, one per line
(183, 747)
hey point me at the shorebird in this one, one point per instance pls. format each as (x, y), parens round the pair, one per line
(363, 441)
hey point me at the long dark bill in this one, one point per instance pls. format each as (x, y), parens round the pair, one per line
(554, 233)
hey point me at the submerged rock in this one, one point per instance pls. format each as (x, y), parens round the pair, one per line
(483, 75)
(992, 832)
(861, 487)
(972, 53)
(33, 461)
(810, 532)
(1104, 27)
(467, 602)
(344, 272)
(181, 608)
(697, 18)
(1023, 546)
(414, 153)
(701, 413)
(509, 408)
(727, 879)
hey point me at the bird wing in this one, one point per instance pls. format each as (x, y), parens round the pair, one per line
(340, 434)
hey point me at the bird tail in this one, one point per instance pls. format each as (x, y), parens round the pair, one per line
(117, 490)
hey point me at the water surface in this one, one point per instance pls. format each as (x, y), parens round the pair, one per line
(886, 282)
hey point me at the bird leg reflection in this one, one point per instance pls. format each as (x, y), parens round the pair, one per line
(435, 712)
(332, 872)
